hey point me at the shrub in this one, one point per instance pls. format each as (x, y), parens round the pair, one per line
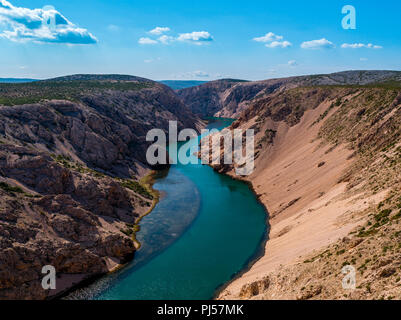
(6, 187)
(138, 188)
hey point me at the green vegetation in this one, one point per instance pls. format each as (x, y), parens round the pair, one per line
(147, 183)
(397, 216)
(391, 84)
(7, 188)
(233, 80)
(340, 252)
(338, 102)
(325, 114)
(34, 92)
(379, 220)
(68, 163)
(141, 187)
(129, 231)
(383, 217)
(363, 233)
(363, 267)
(138, 188)
(63, 160)
(368, 125)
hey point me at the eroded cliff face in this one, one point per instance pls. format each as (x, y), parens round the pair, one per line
(51, 215)
(225, 98)
(72, 153)
(328, 171)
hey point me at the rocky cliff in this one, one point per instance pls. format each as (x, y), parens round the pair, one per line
(72, 153)
(328, 170)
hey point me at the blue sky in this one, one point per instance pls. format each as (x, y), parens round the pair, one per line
(200, 40)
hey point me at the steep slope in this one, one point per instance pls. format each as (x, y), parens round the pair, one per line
(328, 170)
(228, 98)
(208, 99)
(72, 153)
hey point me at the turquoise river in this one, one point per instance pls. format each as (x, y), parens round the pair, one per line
(206, 229)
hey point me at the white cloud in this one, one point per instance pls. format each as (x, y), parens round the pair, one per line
(159, 30)
(360, 45)
(268, 37)
(272, 40)
(166, 39)
(196, 37)
(45, 25)
(292, 63)
(147, 41)
(364, 59)
(318, 44)
(278, 44)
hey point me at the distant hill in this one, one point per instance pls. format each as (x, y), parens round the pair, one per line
(12, 80)
(182, 84)
(98, 77)
(230, 97)
(173, 84)
(70, 88)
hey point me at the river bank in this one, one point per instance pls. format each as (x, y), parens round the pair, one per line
(193, 242)
(148, 182)
(80, 282)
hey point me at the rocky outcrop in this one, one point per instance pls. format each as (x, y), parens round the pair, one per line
(223, 98)
(61, 218)
(105, 129)
(69, 195)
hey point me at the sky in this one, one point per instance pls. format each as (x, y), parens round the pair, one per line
(197, 40)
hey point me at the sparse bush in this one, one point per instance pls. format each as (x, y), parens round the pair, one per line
(6, 187)
(138, 188)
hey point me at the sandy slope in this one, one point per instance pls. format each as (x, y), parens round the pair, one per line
(297, 180)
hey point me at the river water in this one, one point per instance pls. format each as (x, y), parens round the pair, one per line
(206, 228)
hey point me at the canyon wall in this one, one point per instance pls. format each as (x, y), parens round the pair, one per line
(328, 150)
(72, 155)
(328, 171)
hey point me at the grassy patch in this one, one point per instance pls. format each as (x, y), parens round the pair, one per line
(382, 218)
(7, 188)
(68, 163)
(137, 187)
